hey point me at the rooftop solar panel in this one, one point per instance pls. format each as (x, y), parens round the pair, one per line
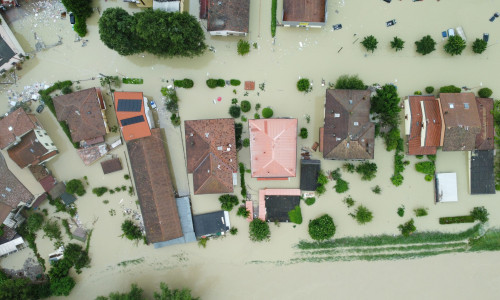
(133, 120)
(129, 105)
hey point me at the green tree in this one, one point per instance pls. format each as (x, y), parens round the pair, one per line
(81, 8)
(370, 43)
(484, 92)
(259, 230)
(62, 286)
(246, 106)
(407, 228)
(341, 186)
(321, 228)
(450, 89)
(295, 215)
(243, 47)
(363, 215)
(34, 222)
(479, 213)
(117, 31)
(75, 186)
(386, 104)
(426, 45)
(392, 138)
(304, 85)
(455, 45)
(131, 231)
(173, 294)
(228, 202)
(267, 112)
(346, 82)
(77, 256)
(397, 44)
(52, 230)
(426, 167)
(135, 293)
(235, 111)
(429, 89)
(367, 170)
(479, 46)
(303, 133)
(242, 211)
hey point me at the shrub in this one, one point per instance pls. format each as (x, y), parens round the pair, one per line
(228, 201)
(310, 201)
(479, 213)
(234, 82)
(66, 90)
(363, 215)
(246, 142)
(322, 228)
(432, 157)
(367, 170)
(401, 211)
(450, 89)
(267, 112)
(75, 186)
(184, 83)
(429, 89)
(126, 177)
(80, 26)
(238, 130)
(235, 111)
(376, 189)
(259, 230)
(455, 45)
(426, 45)
(242, 180)
(242, 211)
(392, 138)
(100, 191)
(479, 46)
(304, 85)
(420, 212)
(484, 93)
(348, 167)
(245, 106)
(428, 177)
(349, 201)
(274, 6)
(295, 215)
(342, 186)
(303, 133)
(52, 230)
(243, 47)
(257, 107)
(34, 222)
(256, 116)
(221, 83)
(346, 82)
(426, 167)
(419, 156)
(397, 179)
(175, 120)
(212, 83)
(202, 242)
(397, 44)
(407, 228)
(233, 230)
(457, 219)
(417, 93)
(131, 231)
(370, 43)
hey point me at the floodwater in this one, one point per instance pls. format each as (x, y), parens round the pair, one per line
(223, 270)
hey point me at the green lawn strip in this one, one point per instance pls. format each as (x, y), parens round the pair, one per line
(379, 240)
(457, 219)
(127, 80)
(490, 241)
(274, 7)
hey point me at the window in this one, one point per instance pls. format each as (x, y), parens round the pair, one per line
(350, 101)
(452, 105)
(466, 105)
(356, 124)
(336, 115)
(46, 144)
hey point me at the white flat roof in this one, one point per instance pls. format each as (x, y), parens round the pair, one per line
(446, 187)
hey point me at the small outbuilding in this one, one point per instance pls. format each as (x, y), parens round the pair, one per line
(211, 224)
(111, 165)
(446, 187)
(482, 172)
(80, 234)
(68, 198)
(309, 172)
(274, 204)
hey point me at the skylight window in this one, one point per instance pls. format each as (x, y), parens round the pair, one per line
(452, 105)
(466, 105)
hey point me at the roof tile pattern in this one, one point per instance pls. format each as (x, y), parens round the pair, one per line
(111, 165)
(430, 128)
(82, 111)
(485, 140)
(16, 124)
(154, 187)
(273, 147)
(136, 130)
(304, 11)
(30, 151)
(461, 121)
(348, 132)
(208, 158)
(228, 15)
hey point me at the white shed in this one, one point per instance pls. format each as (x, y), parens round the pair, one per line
(446, 187)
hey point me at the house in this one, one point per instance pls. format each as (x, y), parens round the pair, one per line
(482, 172)
(227, 17)
(348, 133)
(211, 155)
(130, 111)
(154, 188)
(461, 123)
(35, 148)
(304, 13)
(485, 139)
(168, 5)
(274, 204)
(111, 165)
(423, 125)
(211, 224)
(14, 126)
(446, 187)
(13, 196)
(85, 113)
(273, 148)
(309, 172)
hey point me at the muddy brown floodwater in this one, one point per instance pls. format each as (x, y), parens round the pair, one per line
(223, 270)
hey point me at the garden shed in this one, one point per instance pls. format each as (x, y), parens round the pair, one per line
(80, 234)
(309, 172)
(214, 223)
(274, 204)
(446, 187)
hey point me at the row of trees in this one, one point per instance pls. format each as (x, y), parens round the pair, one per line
(165, 293)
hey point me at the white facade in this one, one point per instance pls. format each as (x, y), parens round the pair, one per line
(43, 137)
(11, 246)
(446, 187)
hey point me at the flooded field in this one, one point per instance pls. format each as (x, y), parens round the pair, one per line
(224, 270)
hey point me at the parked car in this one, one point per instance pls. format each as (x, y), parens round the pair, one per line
(337, 26)
(451, 32)
(40, 108)
(153, 104)
(486, 37)
(388, 1)
(71, 18)
(496, 15)
(390, 23)
(444, 34)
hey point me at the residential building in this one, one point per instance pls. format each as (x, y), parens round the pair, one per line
(14, 126)
(211, 224)
(348, 132)
(461, 123)
(309, 172)
(84, 112)
(423, 125)
(153, 184)
(226, 17)
(304, 13)
(132, 119)
(211, 155)
(273, 148)
(35, 148)
(274, 204)
(485, 139)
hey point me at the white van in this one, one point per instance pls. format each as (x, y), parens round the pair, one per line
(451, 32)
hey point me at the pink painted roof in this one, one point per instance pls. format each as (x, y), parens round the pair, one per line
(273, 147)
(249, 207)
(273, 192)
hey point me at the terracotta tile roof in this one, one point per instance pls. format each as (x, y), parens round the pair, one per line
(273, 147)
(92, 154)
(485, 140)
(249, 207)
(38, 171)
(249, 85)
(208, 158)
(15, 125)
(461, 121)
(82, 111)
(47, 183)
(39, 201)
(154, 187)
(12, 191)
(139, 126)
(30, 151)
(57, 190)
(304, 11)
(111, 165)
(273, 192)
(348, 132)
(424, 137)
(230, 15)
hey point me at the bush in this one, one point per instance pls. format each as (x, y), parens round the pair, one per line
(397, 44)
(243, 47)
(267, 112)
(100, 191)
(233, 230)
(479, 46)
(346, 82)
(228, 202)
(175, 120)
(242, 211)
(397, 179)
(80, 26)
(370, 43)
(238, 130)
(52, 230)
(75, 186)
(310, 201)
(303, 133)
(407, 228)
(242, 180)
(66, 90)
(426, 45)
(246, 142)
(426, 167)
(429, 89)
(432, 157)
(304, 85)
(212, 83)
(420, 212)
(295, 215)
(457, 219)
(363, 215)
(245, 106)
(322, 228)
(392, 138)
(417, 93)
(428, 177)
(484, 93)
(479, 213)
(342, 186)
(349, 202)
(367, 170)
(274, 6)
(235, 111)
(235, 82)
(131, 231)
(259, 230)
(455, 45)
(34, 222)
(376, 189)
(184, 83)
(450, 89)
(401, 211)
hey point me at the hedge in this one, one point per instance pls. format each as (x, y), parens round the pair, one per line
(457, 219)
